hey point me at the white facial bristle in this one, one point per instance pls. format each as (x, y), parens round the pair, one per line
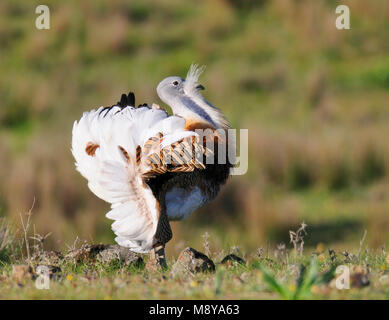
(193, 75)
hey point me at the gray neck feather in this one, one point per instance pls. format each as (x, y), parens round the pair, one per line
(195, 108)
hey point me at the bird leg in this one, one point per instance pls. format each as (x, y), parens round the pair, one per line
(162, 235)
(157, 257)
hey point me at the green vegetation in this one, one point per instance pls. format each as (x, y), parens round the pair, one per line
(304, 283)
(313, 98)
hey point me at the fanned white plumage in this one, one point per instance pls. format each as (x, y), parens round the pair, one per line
(116, 178)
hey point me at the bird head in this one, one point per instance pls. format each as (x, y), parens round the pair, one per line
(171, 88)
(185, 99)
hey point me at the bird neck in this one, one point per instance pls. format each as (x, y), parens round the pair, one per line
(198, 113)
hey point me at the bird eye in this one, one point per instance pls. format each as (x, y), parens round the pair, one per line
(175, 83)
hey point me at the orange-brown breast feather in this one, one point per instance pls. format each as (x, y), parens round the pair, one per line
(192, 125)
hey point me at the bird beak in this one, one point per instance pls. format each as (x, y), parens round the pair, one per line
(200, 87)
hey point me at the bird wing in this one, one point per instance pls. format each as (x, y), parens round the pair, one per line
(184, 155)
(110, 149)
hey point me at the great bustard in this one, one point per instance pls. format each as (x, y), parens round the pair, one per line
(151, 166)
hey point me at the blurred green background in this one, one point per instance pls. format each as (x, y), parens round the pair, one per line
(314, 98)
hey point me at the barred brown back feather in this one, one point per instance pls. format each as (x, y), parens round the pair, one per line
(138, 154)
(184, 155)
(125, 153)
(152, 142)
(91, 148)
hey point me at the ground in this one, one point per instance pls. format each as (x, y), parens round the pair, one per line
(265, 274)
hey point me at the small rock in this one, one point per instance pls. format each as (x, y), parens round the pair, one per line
(48, 258)
(115, 252)
(21, 273)
(359, 280)
(192, 261)
(232, 259)
(85, 253)
(359, 277)
(105, 253)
